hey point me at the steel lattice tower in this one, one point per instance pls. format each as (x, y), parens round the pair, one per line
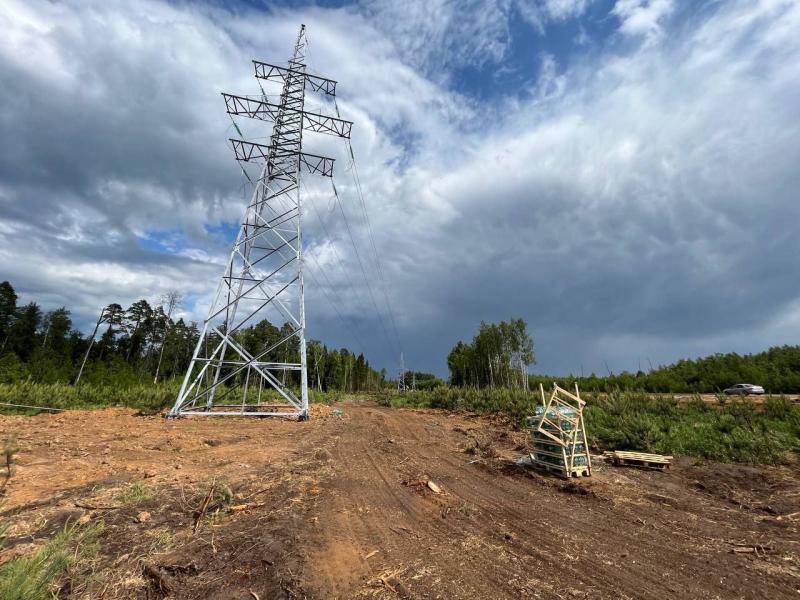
(264, 274)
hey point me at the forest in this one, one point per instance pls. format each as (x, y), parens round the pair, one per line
(142, 344)
(499, 355)
(776, 369)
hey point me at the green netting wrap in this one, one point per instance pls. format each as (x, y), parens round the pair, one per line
(544, 443)
(562, 415)
(545, 449)
(577, 461)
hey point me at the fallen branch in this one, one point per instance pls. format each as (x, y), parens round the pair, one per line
(254, 494)
(247, 506)
(30, 406)
(93, 507)
(417, 482)
(204, 506)
(400, 530)
(757, 549)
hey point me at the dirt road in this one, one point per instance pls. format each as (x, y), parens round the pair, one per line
(715, 399)
(337, 508)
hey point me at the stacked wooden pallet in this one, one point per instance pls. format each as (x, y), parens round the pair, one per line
(559, 436)
(638, 459)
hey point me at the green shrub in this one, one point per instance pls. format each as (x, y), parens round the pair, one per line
(634, 420)
(136, 493)
(146, 397)
(37, 576)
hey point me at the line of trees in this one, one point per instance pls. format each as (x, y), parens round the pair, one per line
(144, 343)
(420, 380)
(776, 369)
(498, 356)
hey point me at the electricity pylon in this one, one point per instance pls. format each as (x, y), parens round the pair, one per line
(264, 274)
(401, 378)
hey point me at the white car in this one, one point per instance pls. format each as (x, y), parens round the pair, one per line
(744, 389)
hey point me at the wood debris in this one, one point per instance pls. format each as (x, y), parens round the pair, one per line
(621, 458)
(247, 506)
(204, 506)
(433, 487)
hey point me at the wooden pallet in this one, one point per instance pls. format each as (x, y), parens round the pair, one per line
(643, 460)
(559, 470)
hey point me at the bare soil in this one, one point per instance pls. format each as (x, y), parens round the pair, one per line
(339, 507)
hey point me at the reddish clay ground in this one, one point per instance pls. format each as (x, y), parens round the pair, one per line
(331, 508)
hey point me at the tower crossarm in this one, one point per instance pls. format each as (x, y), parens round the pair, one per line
(247, 151)
(267, 111)
(270, 72)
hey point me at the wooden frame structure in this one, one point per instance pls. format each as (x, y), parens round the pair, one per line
(559, 436)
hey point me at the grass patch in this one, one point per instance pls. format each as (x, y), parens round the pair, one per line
(136, 493)
(61, 562)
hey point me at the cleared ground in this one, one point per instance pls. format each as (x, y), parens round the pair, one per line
(334, 508)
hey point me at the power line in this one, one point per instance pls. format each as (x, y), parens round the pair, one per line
(335, 308)
(361, 265)
(379, 268)
(337, 256)
(254, 280)
(281, 202)
(370, 232)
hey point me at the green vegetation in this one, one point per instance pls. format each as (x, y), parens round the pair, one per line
(40, 575)
(776, 369)
(39, 356)
(493, 363)
(138, 347)
(738, 431)
(136, 493)
(148, 398)
(498, 356)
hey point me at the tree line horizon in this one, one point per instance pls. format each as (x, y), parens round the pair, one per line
(145, 343)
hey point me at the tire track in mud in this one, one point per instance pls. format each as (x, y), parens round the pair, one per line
(548, 544)
(333, 493)
(600, 527)
(605, 531)
(474, 486)
(370, 475)
(476, 532)
(441, 528)
(535, 537)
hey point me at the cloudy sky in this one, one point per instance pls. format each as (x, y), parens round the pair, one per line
(625, 175)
